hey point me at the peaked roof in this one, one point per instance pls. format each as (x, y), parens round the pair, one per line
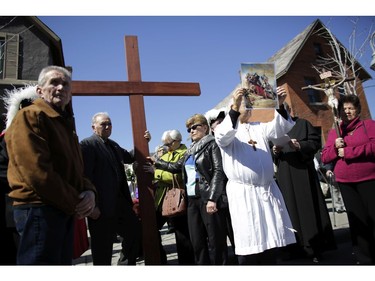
(284, 58)
(53, 38)
(286, 55)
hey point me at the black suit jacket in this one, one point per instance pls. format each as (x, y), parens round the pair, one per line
(102, 169)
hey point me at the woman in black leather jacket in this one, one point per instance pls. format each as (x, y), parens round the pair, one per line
(205, 183)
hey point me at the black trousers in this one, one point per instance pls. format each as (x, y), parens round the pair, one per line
(359, 200)
(9, 237)
(102, 232)
(8, 234)
(183, 244)
(104, 229)
(130, 229)
(208, 233)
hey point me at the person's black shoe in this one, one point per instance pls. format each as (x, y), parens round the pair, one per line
(140, 258)
(123, 262)
(317, 258)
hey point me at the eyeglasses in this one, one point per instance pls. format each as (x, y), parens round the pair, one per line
(193, 127)
(169, 144)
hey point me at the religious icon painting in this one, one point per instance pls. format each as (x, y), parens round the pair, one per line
(260, 81)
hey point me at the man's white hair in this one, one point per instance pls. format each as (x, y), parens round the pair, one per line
(93, 119)
(13, 98)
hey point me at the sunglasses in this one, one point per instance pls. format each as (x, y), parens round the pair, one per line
(193, 127)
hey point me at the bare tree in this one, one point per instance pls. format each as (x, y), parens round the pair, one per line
(343, 62)
(339, 67)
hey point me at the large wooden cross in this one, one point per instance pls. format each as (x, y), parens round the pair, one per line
(328, 86)
(136, 89)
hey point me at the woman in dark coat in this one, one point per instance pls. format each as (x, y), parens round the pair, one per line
(299, 184)
(205, 183)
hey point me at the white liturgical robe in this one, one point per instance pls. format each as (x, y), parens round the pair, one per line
(259, 216)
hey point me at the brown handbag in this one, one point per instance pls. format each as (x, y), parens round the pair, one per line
(174, 203)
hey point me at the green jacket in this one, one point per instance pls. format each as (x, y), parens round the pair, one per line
(164, 178)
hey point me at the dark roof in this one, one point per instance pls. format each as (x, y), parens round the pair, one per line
(53, 38)
(284, 58)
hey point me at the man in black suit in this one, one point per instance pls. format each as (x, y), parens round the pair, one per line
(104, 163)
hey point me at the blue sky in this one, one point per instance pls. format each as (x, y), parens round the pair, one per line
(207, 50)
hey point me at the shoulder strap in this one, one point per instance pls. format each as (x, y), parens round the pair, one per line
(175, 183)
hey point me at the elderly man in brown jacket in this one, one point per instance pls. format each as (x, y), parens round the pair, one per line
(45, 173)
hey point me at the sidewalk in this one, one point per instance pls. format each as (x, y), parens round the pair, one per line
(168, 241)
(342, 256)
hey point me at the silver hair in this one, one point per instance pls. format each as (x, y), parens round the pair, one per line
(93, 119)
(171, 134)
(42, 79)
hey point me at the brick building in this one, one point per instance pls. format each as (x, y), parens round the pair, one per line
(293, 64)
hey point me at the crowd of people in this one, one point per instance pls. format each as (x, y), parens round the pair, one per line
(252, 183)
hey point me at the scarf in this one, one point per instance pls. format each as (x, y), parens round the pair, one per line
(199, 145)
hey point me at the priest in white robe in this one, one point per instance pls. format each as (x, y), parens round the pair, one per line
(259, 216)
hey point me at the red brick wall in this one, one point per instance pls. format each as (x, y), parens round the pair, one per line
(293, 80)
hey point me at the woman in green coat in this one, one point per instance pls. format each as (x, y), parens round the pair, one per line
(176, 150)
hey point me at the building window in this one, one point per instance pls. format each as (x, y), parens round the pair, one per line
(9, 51)
(313, 95)
(318, 50)
(341, 89)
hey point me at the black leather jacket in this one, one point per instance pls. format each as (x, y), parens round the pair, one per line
(208, 163)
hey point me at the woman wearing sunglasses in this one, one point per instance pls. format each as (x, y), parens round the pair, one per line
(205, 186)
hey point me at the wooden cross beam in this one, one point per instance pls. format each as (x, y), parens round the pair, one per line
(136, 89)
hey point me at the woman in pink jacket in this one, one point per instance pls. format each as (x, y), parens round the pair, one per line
(353, 154)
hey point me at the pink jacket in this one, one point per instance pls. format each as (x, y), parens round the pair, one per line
(358, 163)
